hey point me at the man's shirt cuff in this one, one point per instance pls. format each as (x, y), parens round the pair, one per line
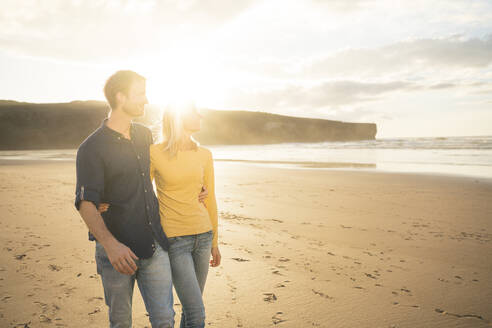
(87, 194)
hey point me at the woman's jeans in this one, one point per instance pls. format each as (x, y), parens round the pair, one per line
(154, 281)
(190, 260)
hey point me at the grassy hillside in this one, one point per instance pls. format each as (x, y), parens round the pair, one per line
(66, 125)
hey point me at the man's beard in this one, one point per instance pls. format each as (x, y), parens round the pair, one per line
(133, 111)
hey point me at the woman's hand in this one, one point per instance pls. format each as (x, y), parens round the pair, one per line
(103, 207)
(203, 195)
(215, 261)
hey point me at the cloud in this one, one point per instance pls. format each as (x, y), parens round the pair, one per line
(440, 86)
(344, 6)
(412, 57)
(333, 94)
(439, 11)
(341, 99)
(91, 30)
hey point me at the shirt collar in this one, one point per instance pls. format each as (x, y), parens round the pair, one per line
(115, 133)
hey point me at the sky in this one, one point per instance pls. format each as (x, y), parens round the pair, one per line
(416, 68)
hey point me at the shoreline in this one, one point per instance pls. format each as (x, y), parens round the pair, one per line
(288, 165)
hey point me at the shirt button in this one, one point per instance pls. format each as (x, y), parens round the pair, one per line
(143, 173)
(119, 138)
(145, 190)
(147, 206)
(153, 247)
(138, 156)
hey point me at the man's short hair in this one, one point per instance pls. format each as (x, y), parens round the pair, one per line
(119, 82)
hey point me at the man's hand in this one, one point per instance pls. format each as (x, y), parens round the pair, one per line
(121, 257)
(203, 195)
(215, 261)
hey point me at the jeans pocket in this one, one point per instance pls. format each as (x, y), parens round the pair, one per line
(174, 239)
(102, 260)
(207, 236)
(100, 252)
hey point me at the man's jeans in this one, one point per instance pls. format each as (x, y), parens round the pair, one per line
(154, 281)
(190, 260)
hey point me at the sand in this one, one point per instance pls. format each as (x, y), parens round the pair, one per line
(300, 247)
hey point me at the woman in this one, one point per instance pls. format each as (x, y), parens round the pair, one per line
(180, 168)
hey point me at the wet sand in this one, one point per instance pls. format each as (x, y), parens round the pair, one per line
(300, 247)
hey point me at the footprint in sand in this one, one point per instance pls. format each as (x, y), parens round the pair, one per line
(407, 291)
(44, 318)
(232, 287)
(54, 267)
(96, 310)
(20, 256)
(280, 285)
(322, 294)
(476, 316)
(269, 297)
(276, 319)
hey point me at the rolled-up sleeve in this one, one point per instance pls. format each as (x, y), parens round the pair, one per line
(90, 176)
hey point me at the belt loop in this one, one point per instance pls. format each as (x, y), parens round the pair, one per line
(196, 242)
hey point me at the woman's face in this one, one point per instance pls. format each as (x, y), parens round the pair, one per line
(192, 119)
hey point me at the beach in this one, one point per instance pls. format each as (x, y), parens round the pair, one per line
(300, 248)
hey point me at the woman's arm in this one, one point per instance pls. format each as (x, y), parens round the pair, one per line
(210, 201)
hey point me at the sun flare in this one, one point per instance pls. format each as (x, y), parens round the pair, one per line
(184, 77)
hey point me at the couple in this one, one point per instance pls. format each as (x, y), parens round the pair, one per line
(156, 241)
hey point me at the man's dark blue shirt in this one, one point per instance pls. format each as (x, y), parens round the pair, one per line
(115, 170)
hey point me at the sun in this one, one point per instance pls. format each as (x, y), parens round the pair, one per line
(182, 77)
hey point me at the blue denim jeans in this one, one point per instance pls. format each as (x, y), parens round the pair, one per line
(190, 260)
(154, 282)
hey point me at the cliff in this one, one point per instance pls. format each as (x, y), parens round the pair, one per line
(66, 125)
(242, 127)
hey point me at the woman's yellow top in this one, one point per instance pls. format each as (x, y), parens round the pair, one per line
(179, 181)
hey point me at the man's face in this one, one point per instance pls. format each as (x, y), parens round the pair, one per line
(136, 99)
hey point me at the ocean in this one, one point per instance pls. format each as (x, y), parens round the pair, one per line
(466, 156)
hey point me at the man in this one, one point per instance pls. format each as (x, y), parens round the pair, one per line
(113, 167)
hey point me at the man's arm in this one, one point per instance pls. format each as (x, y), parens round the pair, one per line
(89, 191)
(121, 257)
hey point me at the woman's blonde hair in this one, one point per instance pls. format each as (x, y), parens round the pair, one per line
(173, 132)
